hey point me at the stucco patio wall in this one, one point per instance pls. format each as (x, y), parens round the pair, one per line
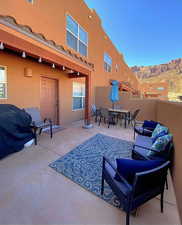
(170, 114)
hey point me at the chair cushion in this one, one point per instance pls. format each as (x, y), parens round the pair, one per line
(128, 167)
(160, 144)
(143, 141)
(120, 185)
(159, 128)
(150, 124)
(162, 133)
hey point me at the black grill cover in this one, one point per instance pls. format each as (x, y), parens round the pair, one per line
(15, 129)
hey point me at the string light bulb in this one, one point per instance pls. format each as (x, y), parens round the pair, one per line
(23, 55)
(40, 60)
(1, 46)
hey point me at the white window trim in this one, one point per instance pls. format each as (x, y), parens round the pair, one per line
(108, 64)
(31, 1)
(5, 82)
(78, 38)
(82, 96)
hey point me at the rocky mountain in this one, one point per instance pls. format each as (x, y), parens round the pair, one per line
(144, 72)
(169, 72)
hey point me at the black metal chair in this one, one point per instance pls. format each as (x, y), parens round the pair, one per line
(37, 122)
(96, 112)
(146, 185)
(131, 118)
(107, 117)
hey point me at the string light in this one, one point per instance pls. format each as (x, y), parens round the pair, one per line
(40, 60)
(1, 46)
(23, 55)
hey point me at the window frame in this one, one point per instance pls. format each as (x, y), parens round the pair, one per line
(107, 65)
(30, 1)
(82, 96)
(77, 37)
(6, 83)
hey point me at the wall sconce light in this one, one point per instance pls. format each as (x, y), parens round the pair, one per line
(53, 66)
(23, 55)
(78, 73)
(1, 46)
(63, 68)
(40, 60)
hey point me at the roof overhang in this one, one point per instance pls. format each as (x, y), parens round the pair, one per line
(19, 42)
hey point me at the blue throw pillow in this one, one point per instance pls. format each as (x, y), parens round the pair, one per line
(150, 124)
(162, 133)
(160, 145)
(159, 128)
(128, 167)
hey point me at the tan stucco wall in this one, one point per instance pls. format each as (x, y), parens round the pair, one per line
(25, 91)
(39, 17)
(169, 114)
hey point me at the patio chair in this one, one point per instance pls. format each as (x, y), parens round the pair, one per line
(106, 116)
(37, 122)
(146, 185)
(131, 118)
(95, 112)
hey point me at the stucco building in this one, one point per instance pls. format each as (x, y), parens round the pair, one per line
(51, 53)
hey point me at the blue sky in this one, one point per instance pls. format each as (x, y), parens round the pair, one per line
(147, 32)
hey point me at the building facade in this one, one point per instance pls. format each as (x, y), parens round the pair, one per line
(54, 55)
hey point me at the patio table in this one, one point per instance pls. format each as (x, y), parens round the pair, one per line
(125, 112)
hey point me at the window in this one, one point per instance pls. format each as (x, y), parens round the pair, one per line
(31, 1)
(76, 36)
(3, 82)
(78, 96)
(160, 88)
(107, 62)
(116, 67)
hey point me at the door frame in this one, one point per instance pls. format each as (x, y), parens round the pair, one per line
(57, 84)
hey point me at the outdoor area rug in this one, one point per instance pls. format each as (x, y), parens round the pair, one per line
(83, 165)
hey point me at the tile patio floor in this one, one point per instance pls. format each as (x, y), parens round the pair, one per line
(33, 193)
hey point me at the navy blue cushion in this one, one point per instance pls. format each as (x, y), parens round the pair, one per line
(150, 124)
(128, 167)
(162, 133)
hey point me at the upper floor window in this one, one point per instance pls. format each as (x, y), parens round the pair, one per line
(31, 1)
(78, 96)
(116, 67)
(76, 36)
(107, 62)
(3, 82)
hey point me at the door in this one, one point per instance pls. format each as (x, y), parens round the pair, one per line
(49, 99)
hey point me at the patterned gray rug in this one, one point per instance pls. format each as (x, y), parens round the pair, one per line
(83, 165)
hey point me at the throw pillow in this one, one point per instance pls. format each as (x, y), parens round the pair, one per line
(128, 167)
(162, 133)
(159, 128)
(160, 145)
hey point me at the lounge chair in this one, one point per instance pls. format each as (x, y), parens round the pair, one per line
(37, 122)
